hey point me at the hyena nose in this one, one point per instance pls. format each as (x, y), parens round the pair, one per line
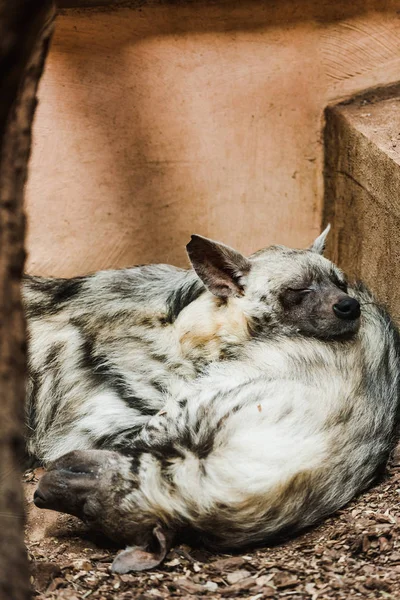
(39, 498)
(347, 308)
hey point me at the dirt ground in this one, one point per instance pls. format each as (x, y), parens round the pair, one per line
(355, 554)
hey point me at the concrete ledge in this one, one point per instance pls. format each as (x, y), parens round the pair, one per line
(362, 190)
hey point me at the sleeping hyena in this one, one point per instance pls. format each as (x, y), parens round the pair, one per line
(105, 349)
(299, 419)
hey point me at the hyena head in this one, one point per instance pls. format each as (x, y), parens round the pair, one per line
(280, 290)
(103, 489)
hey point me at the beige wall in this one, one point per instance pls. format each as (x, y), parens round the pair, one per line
(162, 121)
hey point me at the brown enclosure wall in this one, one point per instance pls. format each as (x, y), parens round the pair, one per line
(169, 119)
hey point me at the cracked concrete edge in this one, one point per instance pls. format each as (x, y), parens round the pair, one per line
(362, 191)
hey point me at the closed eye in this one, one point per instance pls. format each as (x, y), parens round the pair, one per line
(342, 285)
(300, 290)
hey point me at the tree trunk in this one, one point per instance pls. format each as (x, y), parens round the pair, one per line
(25, 30)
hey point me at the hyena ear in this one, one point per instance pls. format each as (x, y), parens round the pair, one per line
(319, 244)
(141, 558)
(222, 269)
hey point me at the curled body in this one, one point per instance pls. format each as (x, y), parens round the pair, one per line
(264, 444)
(105, 348)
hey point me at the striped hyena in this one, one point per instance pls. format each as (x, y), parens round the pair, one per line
(301, 417)
(105, 348)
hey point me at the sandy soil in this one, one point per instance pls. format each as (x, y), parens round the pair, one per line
(355, 554)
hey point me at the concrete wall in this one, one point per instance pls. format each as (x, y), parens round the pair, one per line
(160, 121)
(363, 191)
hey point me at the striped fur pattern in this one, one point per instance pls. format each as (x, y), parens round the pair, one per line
(105, 348)
(300, 418)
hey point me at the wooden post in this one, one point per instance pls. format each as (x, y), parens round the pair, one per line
(25, 31)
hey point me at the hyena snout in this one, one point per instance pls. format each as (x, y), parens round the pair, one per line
(347, 309)
(58, 491)
(72, 481)
(64, 491)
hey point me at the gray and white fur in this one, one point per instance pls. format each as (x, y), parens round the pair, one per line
(105, 348)
(276, 404)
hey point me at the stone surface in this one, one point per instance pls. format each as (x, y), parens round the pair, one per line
(362, 195)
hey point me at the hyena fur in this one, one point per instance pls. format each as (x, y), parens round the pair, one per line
(105, 348)
(261, 445)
